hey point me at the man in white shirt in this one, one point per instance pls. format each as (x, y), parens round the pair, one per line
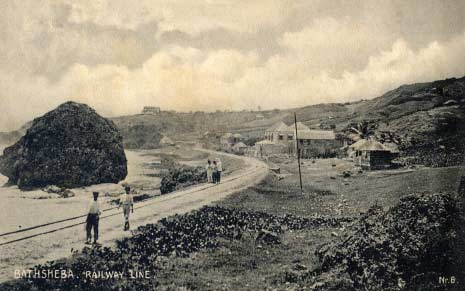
(127, 201)
(93, 219)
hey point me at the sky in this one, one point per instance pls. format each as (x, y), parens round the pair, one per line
(187, 55)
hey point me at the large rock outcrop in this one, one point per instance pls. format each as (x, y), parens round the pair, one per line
(70, 146)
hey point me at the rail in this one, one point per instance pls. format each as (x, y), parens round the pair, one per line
(246, 173)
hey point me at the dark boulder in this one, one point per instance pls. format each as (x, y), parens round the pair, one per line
(71, 146)
(268, 237)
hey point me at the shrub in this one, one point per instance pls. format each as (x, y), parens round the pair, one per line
(410, 246)
(182, 176)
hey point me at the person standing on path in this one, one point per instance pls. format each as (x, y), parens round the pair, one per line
(219, 167)
(215, 172)
(127, 201)
(93, 219)
(209, 172)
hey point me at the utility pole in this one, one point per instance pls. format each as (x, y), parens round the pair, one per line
(298, 153)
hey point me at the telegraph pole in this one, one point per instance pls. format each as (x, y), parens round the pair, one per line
(298, 153)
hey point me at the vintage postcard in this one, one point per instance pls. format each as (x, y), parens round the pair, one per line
(232, 145)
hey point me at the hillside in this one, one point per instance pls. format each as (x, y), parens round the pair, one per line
(427, 120)
(9, 138)
(146, 130)
(396, 104)
(429, 116)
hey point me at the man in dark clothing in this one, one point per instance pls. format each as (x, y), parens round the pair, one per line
(219, 170)
(215, 172)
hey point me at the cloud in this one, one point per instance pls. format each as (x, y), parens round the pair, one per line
(187, 55)
(334, 45)
(38, 38)
(189, 16)
(189, 79)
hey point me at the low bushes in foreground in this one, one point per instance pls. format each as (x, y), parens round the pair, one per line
(409, 247)
(177, 236)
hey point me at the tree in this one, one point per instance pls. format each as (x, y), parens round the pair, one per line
(364, 129)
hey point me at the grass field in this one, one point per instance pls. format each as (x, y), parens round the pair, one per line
(327, 192)
(248, 265)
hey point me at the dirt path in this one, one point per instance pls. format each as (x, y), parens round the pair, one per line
(61, 243)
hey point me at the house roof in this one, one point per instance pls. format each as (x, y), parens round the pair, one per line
(300, 127)
(370, 145)
(263, 142)
(392, 147)
(166, 140)
(240, 145)
(237, 135)
(227, 135)
(280, 126)
(316, 134)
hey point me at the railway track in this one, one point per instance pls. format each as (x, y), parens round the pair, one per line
(37, 244)
(12, 237)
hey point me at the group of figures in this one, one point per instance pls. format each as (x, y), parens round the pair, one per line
(126, 201)
(214, 170)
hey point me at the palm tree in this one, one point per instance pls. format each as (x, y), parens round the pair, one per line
(364, 129)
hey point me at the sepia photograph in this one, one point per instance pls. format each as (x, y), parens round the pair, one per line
(181, 145)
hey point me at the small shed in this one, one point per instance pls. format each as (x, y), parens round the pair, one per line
(237, 137)
(372, 155)
(239, 148)
(166, 141)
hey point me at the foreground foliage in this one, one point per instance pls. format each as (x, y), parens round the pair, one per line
(406, 248)
(178, 236)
